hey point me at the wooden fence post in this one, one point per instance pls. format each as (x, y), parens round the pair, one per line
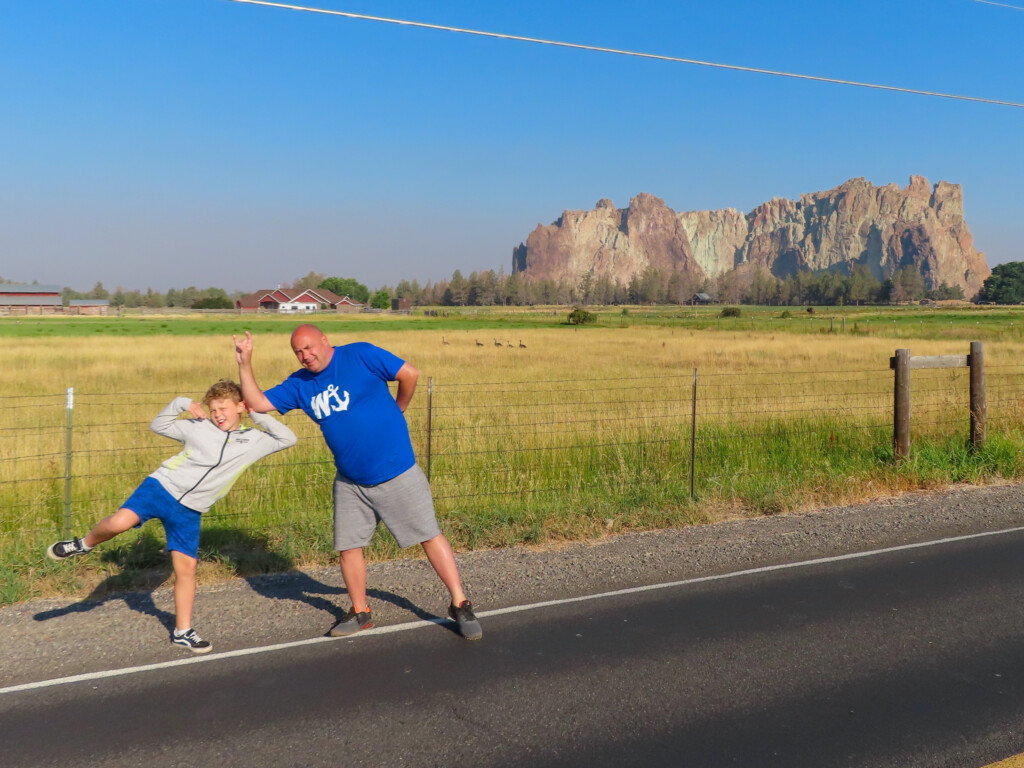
(901, 404)
(976, 360)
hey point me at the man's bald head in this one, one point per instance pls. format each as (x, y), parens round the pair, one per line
(311, 347)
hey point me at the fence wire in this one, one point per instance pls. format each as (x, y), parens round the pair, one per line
(495, 445)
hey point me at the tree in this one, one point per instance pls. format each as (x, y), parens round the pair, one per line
(1005, 285)
(312, 280)
(153, 299)
(908, 284)
(346, 286)
(458, 290)
(863, 285)
(67, 295)
(945, 292)
(513, 289)
(98, 292)
(381, 299)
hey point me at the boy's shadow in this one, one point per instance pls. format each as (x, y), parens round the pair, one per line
(145, 566)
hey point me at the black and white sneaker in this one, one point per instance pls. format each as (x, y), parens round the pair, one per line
(62, 550)
(463, 615)
(192, 641)
(351, 623)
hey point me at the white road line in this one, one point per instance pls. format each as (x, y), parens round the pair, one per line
(496, 612)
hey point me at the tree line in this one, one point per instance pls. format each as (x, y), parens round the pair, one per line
(190, 298)
(653, 286)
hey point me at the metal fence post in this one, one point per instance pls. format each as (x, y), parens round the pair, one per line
(430, 410)
(693, 432)
(901, 404)
(67, 463)
(976, 360)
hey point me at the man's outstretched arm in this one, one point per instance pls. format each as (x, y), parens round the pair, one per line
(251, 392)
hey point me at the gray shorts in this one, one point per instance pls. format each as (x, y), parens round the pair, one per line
(403, 504)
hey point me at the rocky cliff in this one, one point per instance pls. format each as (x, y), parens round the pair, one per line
(886, 228)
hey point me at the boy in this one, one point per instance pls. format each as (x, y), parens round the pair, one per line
(217, 450)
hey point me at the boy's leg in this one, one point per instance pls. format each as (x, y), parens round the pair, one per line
(105, 529)
(442, 559)
(184, 588)
(111, 526)
(184, 598)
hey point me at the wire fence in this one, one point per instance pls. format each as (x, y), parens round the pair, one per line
(504, 450)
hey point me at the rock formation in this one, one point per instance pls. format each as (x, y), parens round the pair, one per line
(886, 228)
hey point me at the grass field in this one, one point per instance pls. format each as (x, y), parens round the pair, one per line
(559, 433)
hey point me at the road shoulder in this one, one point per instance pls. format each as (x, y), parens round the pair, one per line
(46, 639)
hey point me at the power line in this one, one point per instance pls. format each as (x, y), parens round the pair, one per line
(620, 52)
(1001, 5)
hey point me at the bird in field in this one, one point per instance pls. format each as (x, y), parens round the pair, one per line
(521, 345)
(443, 341)
(478, 342)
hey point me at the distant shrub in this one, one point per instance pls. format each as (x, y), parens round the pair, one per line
(580, 316)
(625, 310)
(730, 312)
(786, 314)
(213, 302)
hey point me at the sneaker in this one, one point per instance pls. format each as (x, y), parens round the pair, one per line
(62, 550)
(192, 641)
(463, 615)
(351, 623)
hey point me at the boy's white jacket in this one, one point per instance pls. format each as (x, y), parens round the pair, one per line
(212, 460)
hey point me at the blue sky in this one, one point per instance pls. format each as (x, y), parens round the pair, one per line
(166, 143)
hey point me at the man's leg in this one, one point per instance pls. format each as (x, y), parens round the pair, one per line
(353, 573)
(439, 553)
(111, 526)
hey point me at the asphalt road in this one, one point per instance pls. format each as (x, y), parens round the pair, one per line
(907, 658)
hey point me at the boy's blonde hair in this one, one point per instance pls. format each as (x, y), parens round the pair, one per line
(225, 389)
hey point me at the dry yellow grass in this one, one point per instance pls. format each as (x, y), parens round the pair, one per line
(558, 433)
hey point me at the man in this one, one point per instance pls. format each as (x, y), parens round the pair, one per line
(345, 391)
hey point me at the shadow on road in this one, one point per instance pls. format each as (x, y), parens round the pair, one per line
(145, 566)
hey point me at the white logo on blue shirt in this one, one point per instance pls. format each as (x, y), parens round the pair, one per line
(322, 405)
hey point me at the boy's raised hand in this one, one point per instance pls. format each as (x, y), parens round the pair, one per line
(243, 349)
(196, 410)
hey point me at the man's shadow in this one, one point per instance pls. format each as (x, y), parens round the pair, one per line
(145, 566)
(288, 583)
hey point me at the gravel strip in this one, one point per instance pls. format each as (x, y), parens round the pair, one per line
(44, 639)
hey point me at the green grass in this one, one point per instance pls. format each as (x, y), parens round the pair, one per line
(977, 323)
(277, 525)
(500, 479)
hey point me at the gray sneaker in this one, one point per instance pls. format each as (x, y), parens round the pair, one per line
(463, 615)
(351, 623)
(62, 550)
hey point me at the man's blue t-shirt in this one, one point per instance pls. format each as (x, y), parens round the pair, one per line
(358, 416)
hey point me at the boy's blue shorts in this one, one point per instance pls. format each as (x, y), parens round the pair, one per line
(151, 500)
